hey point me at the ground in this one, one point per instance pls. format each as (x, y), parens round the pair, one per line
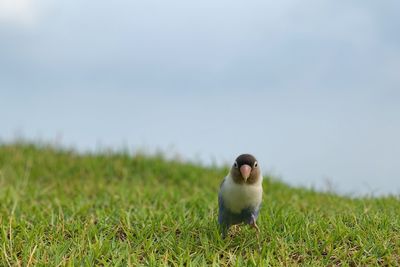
(60, 207)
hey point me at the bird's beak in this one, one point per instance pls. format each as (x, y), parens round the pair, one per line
(245, 170)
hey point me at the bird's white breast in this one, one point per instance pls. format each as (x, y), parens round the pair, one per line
(237, 197)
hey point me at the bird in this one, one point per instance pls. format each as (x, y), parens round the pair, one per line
(240, 194)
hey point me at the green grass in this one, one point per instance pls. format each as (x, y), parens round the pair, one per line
(58, 207)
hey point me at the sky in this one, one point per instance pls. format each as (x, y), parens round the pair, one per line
(312, 89)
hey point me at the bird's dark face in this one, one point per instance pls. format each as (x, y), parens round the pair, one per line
(245, 169)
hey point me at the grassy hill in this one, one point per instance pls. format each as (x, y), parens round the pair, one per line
(58, 207)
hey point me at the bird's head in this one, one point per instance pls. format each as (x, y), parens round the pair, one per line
(245, 169)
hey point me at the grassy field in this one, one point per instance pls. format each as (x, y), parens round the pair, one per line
(59, 208)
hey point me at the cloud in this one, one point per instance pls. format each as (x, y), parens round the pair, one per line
(322, 79)
(21, 12)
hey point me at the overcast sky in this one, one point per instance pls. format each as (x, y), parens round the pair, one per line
(311, 88)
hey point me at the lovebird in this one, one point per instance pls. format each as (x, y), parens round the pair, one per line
(240, 194)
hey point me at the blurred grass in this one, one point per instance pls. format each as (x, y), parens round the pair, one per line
(61, 208)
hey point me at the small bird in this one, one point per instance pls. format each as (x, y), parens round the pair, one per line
(240, 194)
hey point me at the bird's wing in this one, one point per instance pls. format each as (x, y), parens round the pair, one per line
(221, 209)
(222, 182)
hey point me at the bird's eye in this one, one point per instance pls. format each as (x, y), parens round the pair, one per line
(235, 165)
(255, 164)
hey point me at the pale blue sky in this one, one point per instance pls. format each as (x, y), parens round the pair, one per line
(312, 89)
